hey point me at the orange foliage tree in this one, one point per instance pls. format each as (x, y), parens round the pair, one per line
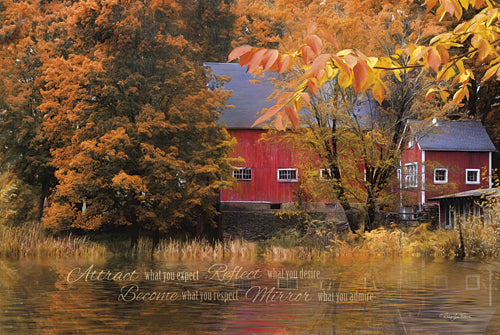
(133, 125)
(105, 111)
(25, 151)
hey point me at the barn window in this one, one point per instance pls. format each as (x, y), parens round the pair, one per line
(325, 174)
(287, 175)
(410, 142)
(243, 174)
(473, 282)
(440, 176)
(411, 175)
(472, 176)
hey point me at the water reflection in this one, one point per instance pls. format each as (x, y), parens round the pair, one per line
(130, 296)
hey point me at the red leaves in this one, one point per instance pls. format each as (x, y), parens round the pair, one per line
(330, 38)
(307, 54)
(279, 120)
(319, 64)
(311, 85)
(283, 97)
(434, 59)
(283, 63)
(448, 6)
(359, 75)
(270, 59)
(238, 52)
(315, 43)
(256, 60)
(293, 116)
(268, 114)
(305, 97)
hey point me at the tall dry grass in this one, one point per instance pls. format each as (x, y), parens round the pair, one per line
(201, 249)
(479, 241)
(31, 240)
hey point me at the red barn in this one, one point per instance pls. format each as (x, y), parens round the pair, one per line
(443, 158)
(271, 171)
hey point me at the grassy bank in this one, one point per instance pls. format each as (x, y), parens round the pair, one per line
(316, 244)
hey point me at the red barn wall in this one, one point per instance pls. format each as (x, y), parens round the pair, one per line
(456, 162)
(264, 157)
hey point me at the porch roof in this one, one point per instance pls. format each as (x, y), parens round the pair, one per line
(486, 192)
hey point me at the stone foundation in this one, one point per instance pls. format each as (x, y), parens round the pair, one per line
(262, 223)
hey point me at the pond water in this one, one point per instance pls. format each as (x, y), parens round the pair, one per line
(123, 295)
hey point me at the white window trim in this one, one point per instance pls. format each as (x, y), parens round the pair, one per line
(287, 180)
(415, 179)
(323, 176)
(243, 179)
(478, 171)
(476, 282)
(445, 176)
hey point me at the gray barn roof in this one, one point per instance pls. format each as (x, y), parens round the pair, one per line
(247, 98)
(455, 136)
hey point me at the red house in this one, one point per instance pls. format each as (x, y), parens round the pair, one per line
(442, 158)
(271, 172)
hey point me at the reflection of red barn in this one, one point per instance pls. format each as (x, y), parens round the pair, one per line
(271, 170)
(446, 157)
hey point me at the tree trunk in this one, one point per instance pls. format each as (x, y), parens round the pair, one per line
(41, 202)
(370, 212)
(134, 232)
(350, 215)
(461, 250)
(156, 240)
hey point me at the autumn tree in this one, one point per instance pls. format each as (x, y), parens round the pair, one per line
(25, 152)
(131, 121)
(357, 140)
(211, 27)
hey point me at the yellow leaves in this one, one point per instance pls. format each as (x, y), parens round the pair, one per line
(442, 93)
(446, 73)
(491, 72)
(378, 91)
(461, 94)
(483, 47)
(131, 183)
(353, 69)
